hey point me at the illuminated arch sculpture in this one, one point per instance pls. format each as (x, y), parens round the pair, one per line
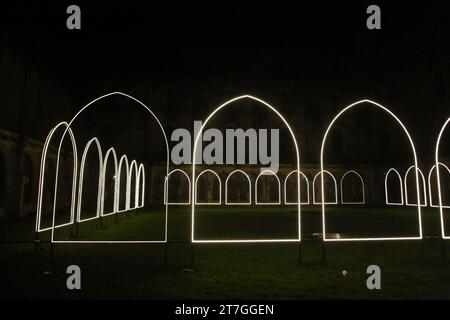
(441, 207)
(302, 175)
(220, 189)
(167, 186)
(123, 165)
(419, 215)
(90, 104)
(132, 173)
(249, 202)
(353, 172)
(140, 187)
(111, 152)
(199, 134)
(430, 194)
(267, 173)
(65, 125)
(80, 182)
(424, 189)
(322, 189)
(386, 188)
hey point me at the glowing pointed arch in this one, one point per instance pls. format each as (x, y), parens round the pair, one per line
(353, 172)
(419, 214)
(322, 189)
(199, 134)
(42, 177)
(436, 154)
(110, 152)
(249, 202)
(307, 188)
(116, 93)
(133, 168)
(80, 183)
(267, 173)
(424, 189)
(166, 189)
(140, 187)
(430, 196)
(386, 189)
(123, 161)
(220, 189)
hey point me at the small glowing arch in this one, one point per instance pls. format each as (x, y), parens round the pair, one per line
(42, 177)
(419, 214)
(267, 173)
(140, 187)
(424, 189)
(166, 189)
(386, 192)
(111, 152)
(123, 161)
(299, 173)
(249, 202)
(115, 93)
(322, 190)
(100, 182)
(353, 172)
(441, 207)
(220, 189)
(430, 196)
(297, 153)
(133, 168)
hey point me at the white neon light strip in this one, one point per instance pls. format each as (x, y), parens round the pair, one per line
(80, 182)
(335, 189)
(363, 201)
(219, 202)
(307, 188)
(166, 189)
(249, 202)
(441, 207)
(423, 189)
(133, 168)
(419, 215)
(267, 173)
(112, 152)
(38, 227)
(199, 134)
(140, 187)
(386, 189)
(123, 161)
(430, 173)
(57, 170)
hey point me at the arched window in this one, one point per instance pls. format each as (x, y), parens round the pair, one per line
(241, 188)
(290, 188)
(109, 185)
(122, 179)
(352, 188)
(208, 188)
(329, 187)
(445, 186)
(177, 188)
(267, 188)
(393, 188)
(411, 196)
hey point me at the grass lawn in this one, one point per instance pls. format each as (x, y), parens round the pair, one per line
(254, 271)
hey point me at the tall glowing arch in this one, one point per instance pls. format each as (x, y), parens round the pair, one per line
(307, 188)
(424, 189)
(140, 191)
(430, 194)
(42, 177)
(386, 188)
(441, 207)
(322, 189)
(267, 173)
(153, 116)
(110, 153)
(133, 169)
(199, 134)
(166, 188)
(220, 189)
(80, 182)
(124, 164)
(419, 214)
(353, 172)
(249, 202)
